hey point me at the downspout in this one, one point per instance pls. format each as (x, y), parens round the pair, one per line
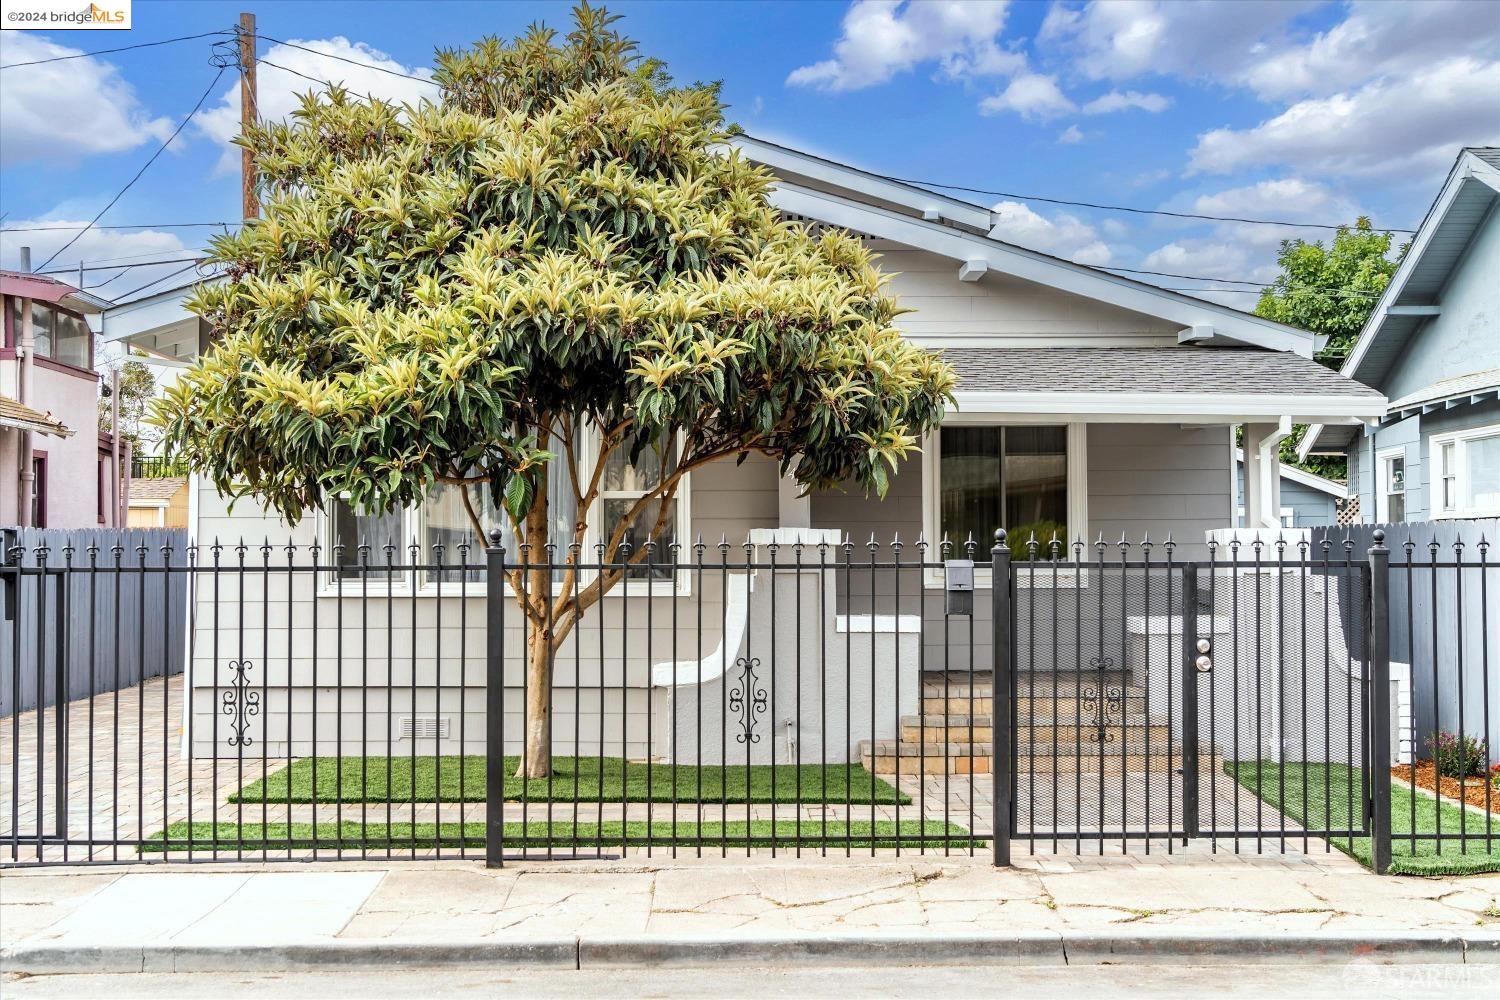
(118, 517)
(25, 347)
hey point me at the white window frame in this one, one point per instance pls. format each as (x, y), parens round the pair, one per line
(682, 584)
(1382, 492)
(1460, 442)
(1065, 573)
(407, 581)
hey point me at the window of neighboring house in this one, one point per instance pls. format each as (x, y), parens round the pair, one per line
(1467, 483)
(59, 334)
(1390, 495)
(39, 491)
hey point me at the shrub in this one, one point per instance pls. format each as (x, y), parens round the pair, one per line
(1459, 756)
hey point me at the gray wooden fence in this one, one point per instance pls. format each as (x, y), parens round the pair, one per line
(106, 622)
(1445, 620)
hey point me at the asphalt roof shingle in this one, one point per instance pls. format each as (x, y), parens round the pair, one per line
(1147, 369)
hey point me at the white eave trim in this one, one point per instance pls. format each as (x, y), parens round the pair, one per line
(1029, 265)
(920, 200)
(1467, 167)
(1171, 407)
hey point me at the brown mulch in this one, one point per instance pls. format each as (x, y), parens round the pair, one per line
(1470, 790)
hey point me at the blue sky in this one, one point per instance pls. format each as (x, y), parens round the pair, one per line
(1308, 111)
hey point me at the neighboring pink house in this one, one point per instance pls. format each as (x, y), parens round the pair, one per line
(56, 469)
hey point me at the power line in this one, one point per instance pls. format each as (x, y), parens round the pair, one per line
(129, 225)
(1234, 281)
(345, 59)
(1135, 211)
(160, 149)
(119, 267)
(122, 48)
(158, 281)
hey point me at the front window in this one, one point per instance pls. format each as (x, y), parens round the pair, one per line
(1390, 506)
(1468, 481)
(382, 540)
(364, 538)
(621, 486)
(1014, 478)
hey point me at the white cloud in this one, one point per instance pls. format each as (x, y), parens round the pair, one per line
(277, 91)
(58, 112)
(137, 247)
(1124, 39)
(1032, 96)
(1071, 136)
(884, 37)
(1376, 39)
(1117, 100)
(1063, 235)
(1212, 258)
(1387, 126)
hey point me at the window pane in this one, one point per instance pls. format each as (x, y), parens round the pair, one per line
(70, 340)
(379, 533)
(969, 478)
(1396, 475)
(1449, 477)
(657, 564)
(1036, 487)
(446, 530)
(1395, 509)
(1482, 483)
(622, 477)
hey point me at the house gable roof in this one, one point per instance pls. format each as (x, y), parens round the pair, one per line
(1469, 197)
(854, 199)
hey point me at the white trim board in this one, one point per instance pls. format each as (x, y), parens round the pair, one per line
(1172, 407)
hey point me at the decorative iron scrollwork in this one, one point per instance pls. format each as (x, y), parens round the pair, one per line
(1103, 702)
(747, 701)
(240, 702)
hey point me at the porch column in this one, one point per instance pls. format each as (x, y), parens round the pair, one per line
(1263, 473)
(795, 511)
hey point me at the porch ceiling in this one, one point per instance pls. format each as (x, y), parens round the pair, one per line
(1145, 384)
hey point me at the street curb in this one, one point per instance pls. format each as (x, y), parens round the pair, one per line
(1034, 949)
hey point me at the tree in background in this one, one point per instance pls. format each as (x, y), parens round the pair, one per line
(1330, 291)
(558, 261)
(137, 390)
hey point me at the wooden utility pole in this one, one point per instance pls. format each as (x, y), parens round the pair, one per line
(247, 113)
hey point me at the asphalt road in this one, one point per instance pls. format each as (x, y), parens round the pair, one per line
(1366, 982)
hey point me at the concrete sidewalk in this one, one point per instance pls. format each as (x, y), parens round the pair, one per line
(576, 913)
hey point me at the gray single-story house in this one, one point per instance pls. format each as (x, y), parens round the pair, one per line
(1432, 346)
(1089, 404)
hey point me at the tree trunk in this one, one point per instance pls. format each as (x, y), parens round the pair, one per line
(536, 762)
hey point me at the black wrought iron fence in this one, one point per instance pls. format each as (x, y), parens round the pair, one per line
(794, 692)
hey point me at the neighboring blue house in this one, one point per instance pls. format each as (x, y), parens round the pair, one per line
(1432, 347)
(1305, 499)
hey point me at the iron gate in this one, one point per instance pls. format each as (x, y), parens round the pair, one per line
(1156, 701)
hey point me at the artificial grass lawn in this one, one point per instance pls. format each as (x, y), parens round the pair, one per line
(352, 836)
(1333, 809)
(364, 779)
